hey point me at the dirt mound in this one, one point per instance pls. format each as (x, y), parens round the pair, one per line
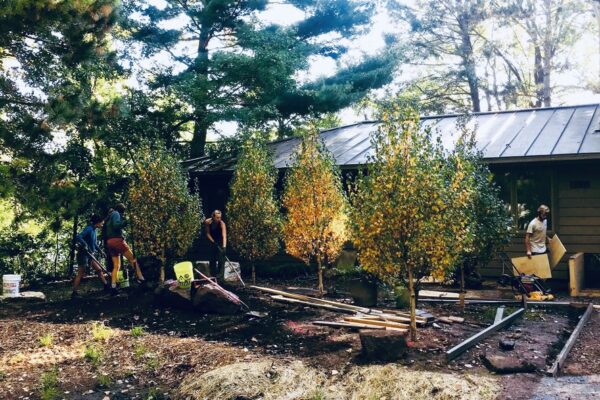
(295, 381)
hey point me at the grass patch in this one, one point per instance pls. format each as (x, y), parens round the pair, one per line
(17, 359)
(49, 390)
(101, 332)
(92, 354)
(154, 394)
(103, 380)
(139, 351)
(47, 340)
(152, 363)
(137, 331)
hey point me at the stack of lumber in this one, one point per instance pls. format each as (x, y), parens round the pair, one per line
(363, 318)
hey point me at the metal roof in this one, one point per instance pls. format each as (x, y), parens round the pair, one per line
(557, 133)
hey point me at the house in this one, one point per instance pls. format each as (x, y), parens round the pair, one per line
(546, 155)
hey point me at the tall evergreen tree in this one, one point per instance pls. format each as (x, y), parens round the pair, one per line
(240, 69)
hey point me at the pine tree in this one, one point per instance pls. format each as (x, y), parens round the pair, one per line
(241, 69)
(253, 212)
(165, 216)
(315, 206)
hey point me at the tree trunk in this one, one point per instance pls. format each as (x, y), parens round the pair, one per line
(466, 53)
(413, 305)
(320, 272)
(538, 76)
(201, 124)
(462, 286)
(253, 274)
(72, 249)
(162, 266)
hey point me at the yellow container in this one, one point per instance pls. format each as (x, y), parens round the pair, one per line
(184, 271)
(122, 279)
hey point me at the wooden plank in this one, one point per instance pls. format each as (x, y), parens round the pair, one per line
(562, 356)
(536, 265)
(580, 212)
(339, 324)
(499, 314)
(438, 294)
(311, 299)
(473, 340)
(311, 304)
(557, 251)
(579, 202)
(576, 274)
(579, 221)
(375, 322)
(459, 320)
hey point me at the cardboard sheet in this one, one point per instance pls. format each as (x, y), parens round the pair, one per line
(536, 265)
(557, 251)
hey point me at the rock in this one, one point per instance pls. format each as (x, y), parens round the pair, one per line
(507, 344)
(28, 296)
(383, 345)
(508, 365)
(208, 299)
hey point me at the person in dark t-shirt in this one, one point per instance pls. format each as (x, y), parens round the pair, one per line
(216, 233)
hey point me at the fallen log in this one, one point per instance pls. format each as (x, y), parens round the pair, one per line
(473, 340)
(562, 356)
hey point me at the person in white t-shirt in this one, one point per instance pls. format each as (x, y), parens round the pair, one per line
(535, 237)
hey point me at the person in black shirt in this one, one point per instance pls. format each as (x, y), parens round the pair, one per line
(216, 233)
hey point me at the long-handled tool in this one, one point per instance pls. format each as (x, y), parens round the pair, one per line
(94, 259)
(231, 296)
(232, 267)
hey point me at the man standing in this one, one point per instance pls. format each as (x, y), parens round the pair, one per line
(115, 241)
(216, 232)
(535, 237)
(86, 245)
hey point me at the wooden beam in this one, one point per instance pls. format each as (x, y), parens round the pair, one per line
(505, 302)
(340, 324)
(311, 304)
(473, 340)
(312, 299)
(562, 356)
(376, 322)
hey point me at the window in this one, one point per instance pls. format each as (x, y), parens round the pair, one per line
(523, 191)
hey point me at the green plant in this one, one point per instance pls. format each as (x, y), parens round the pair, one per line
(103, 380)
(101, 332)
(154, 394)
(165, 215)
(46, 340)
(254, 216)
(137, 331)
(49, 390)
(2, 376)
(315, 226)
(93, 354)
(139, 351)
(152, 363)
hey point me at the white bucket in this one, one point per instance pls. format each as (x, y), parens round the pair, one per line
(10, 285)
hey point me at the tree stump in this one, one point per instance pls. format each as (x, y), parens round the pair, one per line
(379, 345)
